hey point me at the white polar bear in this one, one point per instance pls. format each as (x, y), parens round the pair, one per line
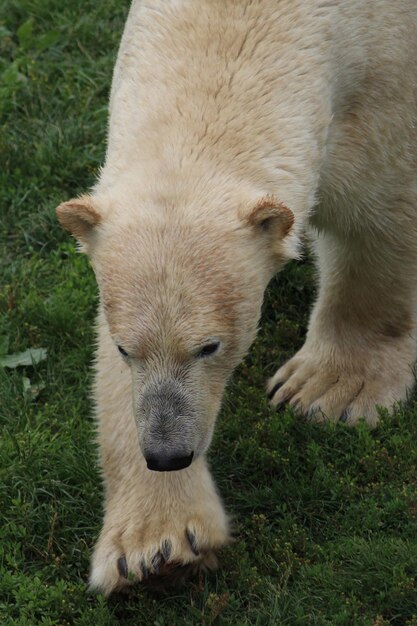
(235, 126)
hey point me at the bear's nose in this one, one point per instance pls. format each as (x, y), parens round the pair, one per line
(167, 463)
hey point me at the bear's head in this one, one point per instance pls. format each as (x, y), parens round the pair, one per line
(181, 293)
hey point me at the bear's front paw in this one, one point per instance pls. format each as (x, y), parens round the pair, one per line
(135, 545)
(323, 385)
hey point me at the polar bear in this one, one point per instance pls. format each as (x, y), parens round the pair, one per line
(236, 127)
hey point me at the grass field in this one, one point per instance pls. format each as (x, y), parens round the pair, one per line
(326, 517)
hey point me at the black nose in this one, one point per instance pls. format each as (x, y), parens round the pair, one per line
(165, 463)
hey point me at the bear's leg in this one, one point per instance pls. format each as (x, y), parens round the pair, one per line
(153, 520)
(361, 343)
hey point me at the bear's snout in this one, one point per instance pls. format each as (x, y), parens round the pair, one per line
(167, 426)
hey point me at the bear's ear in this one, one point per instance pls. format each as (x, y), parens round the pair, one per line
(78, 216)
(271, 217)
(269, 213)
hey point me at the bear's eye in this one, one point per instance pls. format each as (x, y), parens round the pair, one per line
(208, 350)
(122, 351)
(266, 223)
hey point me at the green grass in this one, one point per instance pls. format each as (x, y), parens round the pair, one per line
(326, 517)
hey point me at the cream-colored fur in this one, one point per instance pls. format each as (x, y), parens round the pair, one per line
(236, 126)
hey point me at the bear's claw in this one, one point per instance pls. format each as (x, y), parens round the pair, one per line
(345, 416)
(192, 541)
(122, 567)
(166, 549)
(156, 562)
(273, 391)
(144, 569)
